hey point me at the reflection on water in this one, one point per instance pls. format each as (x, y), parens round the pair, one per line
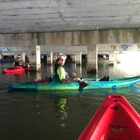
(56, 115)
(60, 108)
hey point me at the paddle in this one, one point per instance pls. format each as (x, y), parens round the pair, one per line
(82, 85)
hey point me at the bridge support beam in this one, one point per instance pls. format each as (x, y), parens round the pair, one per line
(23, 56)
(111, 58)
(1, 56)
(50, 58)
(73, 57)
(34, 58)
(92, 59)
(78, 58)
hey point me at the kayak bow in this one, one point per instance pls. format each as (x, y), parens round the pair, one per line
(115, 119)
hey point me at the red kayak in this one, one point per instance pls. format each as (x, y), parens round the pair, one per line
(17, 69)
(115, 119)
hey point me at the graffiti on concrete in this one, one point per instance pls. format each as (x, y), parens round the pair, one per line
(4, 49)
(18, 49)
(32, 53)
(125, 47)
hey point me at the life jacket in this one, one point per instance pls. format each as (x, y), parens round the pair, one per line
(16, 63)
(67, 74)
(55, 77)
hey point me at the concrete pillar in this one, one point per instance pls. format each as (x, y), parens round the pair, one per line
(42, 56)
(23, 56)
(38, 50)
(92, 59)
(34, 58)
(111, 58)
(78, 58)
(50, 58)
(73, 57)
(1, 56)
(73, 66)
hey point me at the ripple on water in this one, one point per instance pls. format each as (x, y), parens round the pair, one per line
(36, 113)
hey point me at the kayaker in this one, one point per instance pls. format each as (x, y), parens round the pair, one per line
(16, 62)
(61, 73)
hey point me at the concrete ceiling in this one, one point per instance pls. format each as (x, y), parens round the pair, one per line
(19, 16)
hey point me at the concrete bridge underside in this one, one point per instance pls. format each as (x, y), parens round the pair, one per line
(56, 23)
(24, 16)
(77, 42)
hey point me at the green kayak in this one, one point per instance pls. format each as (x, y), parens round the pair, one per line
(91, 83)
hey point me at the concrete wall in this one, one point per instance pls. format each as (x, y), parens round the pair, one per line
(71, 42)
(72, 38)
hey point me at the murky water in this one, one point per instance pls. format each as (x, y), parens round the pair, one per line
(56, 115)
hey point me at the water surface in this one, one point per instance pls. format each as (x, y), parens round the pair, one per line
(49, 115)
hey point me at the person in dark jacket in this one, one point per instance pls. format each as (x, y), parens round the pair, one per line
(19, 63)
(16, 62)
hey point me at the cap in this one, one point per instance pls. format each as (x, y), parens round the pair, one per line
(61, 54)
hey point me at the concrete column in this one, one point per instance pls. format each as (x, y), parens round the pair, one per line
(1, 56)
(38, 50)
(92, 59)
(34, 58)
(78, 58)
(42, 56)
(111, 58)
(73, 57)
(23, 57)
(50, 58)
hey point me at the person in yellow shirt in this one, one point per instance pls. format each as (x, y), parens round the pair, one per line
(61, 73)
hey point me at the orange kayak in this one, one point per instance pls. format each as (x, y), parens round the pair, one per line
(115, 119)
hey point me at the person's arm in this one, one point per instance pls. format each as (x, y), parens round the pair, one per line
(72, 74)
